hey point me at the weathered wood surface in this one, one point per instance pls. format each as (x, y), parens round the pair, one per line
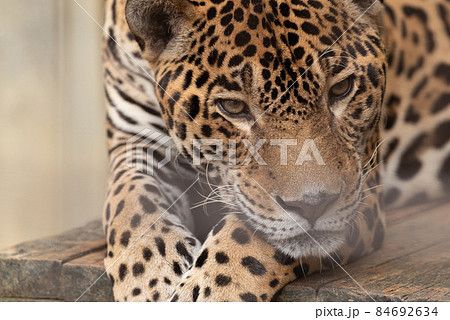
(56, 268)
(413, 265)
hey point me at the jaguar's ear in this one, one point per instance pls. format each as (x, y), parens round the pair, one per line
(370, 5)
(372, 9)
(159, 25)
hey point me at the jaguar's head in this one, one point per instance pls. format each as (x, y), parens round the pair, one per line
(292, 90)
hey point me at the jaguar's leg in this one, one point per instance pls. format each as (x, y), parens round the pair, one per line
(235, 265)
(149, 247)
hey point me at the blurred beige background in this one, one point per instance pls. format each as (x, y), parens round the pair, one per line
(52, 147)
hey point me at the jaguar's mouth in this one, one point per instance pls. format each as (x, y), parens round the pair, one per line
(297, 237)
(321, 239)
(300, 239)
(311, 243)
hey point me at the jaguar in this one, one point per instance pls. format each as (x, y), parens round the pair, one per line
(366, 82)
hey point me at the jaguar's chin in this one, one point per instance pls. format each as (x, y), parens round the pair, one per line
(311, 244)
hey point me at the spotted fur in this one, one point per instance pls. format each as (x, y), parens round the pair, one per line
(169, 63)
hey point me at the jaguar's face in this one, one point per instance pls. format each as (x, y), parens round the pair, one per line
(292, 92)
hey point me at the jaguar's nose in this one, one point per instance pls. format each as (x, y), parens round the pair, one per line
(311, 207)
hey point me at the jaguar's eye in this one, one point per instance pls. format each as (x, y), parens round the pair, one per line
(342, 89)
(232, 107)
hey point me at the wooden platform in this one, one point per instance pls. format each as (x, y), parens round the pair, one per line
(413, 265)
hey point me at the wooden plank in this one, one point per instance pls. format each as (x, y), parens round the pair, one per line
(422, 276)
(413, 265)
(34, 269)
(86, 276)
(28, 300)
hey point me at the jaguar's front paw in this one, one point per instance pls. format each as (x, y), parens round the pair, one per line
(149, 268)
(234, 265)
